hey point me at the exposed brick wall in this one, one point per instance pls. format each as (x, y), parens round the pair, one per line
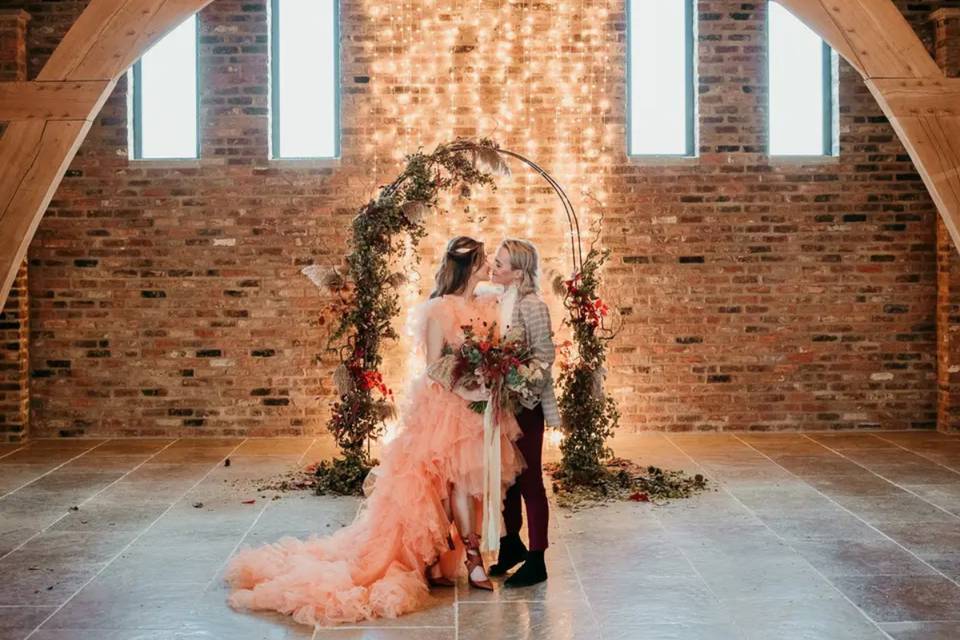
(14, 362)
(13, 50)
(770, 294)
(948, 332)
(15, 315)
(946, 29)
(760, 294)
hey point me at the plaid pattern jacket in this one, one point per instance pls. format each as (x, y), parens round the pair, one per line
(532, 313)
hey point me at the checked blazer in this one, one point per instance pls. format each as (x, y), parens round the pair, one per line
(532, 313)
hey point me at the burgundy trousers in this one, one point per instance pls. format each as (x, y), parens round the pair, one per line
(529, 486)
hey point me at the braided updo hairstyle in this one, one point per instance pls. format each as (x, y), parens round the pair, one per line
(462, 258)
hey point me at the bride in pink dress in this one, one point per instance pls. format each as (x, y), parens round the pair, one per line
(430, 477)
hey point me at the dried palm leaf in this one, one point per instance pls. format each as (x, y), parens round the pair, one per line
(386, 410)
(415, 210)
(342, 380)
(334, 280)
(597, 386)
(557, 282)
(315, 273)
(397, 279)
(331, 279)
(488, 160)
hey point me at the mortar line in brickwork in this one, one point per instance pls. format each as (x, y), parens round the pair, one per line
(917, 453)
(62, 464)
(884, 478)
(135, 539)
(885, 536)
(87, 499)
(780, 538)
(243, 537)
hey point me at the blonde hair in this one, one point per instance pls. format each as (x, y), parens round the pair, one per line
(462, 258)
(525, 259)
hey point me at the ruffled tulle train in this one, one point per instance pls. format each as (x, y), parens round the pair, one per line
(375, 566)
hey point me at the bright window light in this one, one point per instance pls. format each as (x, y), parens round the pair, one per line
(304, 79)
(165, 96)
(661, 77)
(801, 112)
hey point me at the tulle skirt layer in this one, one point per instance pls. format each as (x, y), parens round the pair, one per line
(374, 567)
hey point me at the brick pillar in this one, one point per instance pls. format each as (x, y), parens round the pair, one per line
(234, 67)
(15, 362)
(14, 319)
(946, 29)
(13, 47)
(13, 44)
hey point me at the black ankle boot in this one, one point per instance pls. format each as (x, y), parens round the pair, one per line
(532, 572)
(512, 552)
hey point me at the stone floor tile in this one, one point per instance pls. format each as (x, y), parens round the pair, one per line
(860, 558)
(763, 555)
(25, 583)
(922, 630)
(16, 622)
(803, 619)
(903, 598)
(526, 620)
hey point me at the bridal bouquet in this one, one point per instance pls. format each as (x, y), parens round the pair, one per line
(490, 366)
(493, 373)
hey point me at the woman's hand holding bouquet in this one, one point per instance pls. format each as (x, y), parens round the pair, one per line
(485, 367)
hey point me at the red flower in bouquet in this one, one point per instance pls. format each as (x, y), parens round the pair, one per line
(502, 366)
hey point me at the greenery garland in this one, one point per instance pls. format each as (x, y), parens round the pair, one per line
(589, 415)
(367, 300)
(367, 297)
(588, 473)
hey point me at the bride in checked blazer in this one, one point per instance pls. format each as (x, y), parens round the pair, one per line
(516, 267)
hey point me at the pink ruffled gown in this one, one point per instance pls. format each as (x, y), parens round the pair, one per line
(375, 566)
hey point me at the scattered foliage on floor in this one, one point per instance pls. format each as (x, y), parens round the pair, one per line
(622, 479)
(336, 477)
(341, 476)
(298, 479)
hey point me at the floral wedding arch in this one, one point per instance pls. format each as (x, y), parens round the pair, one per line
(367, 300)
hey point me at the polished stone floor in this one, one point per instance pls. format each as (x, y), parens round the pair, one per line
(837, 536)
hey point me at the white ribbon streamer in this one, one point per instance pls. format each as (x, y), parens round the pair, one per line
(492, 502)
(507, 301)
(492, 497)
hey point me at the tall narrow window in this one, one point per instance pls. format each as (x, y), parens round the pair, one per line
(660, 77)
(801, 87)
(304, 69)
(165, 122)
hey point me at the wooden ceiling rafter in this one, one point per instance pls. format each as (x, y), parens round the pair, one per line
(50, 116)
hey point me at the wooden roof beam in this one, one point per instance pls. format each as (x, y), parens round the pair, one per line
(52, 100)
